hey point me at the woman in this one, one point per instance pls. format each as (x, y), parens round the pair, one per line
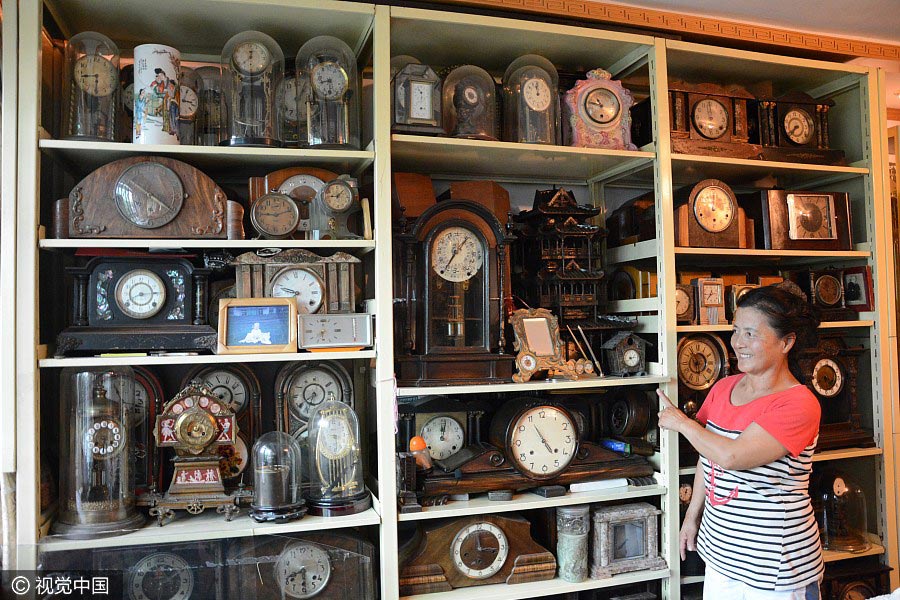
(750, 516)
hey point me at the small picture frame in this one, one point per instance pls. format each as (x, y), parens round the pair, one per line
(538, 344)
(858, 290)
(257, 325)
(625, 539)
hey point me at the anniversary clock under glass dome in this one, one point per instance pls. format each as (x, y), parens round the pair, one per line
(91, 87)
(252, 70)
(531, 101)
(327, 66)
(335, 463)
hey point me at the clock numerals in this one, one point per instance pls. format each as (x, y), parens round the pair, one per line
(229, 388)
(457, 254)
(537, 94)
(275, 215)
(329, 80)
(701, 361)
(547, 439)
(301, 284)
(714, 208)
(140, 294)
(811, 217)
(602, 106)
(443, 436)
(302, 570)
(827, 378)
(421, 100)
(479, 550)
(799, 126)
(710, 118)
(161, 575)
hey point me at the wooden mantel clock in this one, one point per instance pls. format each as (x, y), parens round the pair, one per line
(455, 277)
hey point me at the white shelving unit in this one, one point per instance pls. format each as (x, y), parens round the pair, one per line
(440, 38)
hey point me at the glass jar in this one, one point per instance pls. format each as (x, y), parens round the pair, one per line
(277, 471)
(469, 104)
(573, 525)
(211, 129)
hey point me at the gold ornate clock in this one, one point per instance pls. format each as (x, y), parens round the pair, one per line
(702, 360)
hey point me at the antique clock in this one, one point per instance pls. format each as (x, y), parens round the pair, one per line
(126, 95)
(531, 101)
(794, 128)
(335, 462)
(237, 387)
(684, 303)
(336, 202)
(825, 290)
(300, 184)
(540, 348)
(91, 83)
(831, 370)
(855, 579)
(702, 360)
(302, 387)
(325, 332)
(710, 299)
(706, 119)
(735, 293)
(471, 551)
(146, 402)
(455, 277)
(416, 98)
(625, 354)
(599, 112)
(189, 107)
(252, 69)
(212, 129)
(447, 424)
(625, 539)
(634, 221)
(469, 104)
(632, 414)
(328, 66)
(137, 303)
(147, 197)
(291, 98)
(218, 290)
(195, 424)
(322, 565)
(795, 220)
(708, 216)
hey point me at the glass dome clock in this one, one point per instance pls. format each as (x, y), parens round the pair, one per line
(91, 87)
(252, 70)
(277, 478)
(469, 103)
(335, 473)
(211, 129)
(327, 66)
(531, 101)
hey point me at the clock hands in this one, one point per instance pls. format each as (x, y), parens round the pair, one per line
(456, 250)
(543, 440)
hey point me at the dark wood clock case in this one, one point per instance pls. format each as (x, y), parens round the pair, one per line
(772, 222)
(778, 146)
(91, 209)
(691, 234)
(855, 578)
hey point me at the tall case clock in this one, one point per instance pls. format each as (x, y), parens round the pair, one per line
(455, 275)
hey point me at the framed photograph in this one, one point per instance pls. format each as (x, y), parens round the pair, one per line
(257, 325)
(858, 291)
(538, 344)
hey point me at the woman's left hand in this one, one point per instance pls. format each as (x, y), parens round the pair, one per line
(670, 417)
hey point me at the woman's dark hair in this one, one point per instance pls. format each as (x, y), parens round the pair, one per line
(787, 311)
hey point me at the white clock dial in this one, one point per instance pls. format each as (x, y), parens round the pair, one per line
(338, 196)
(536, 93)
(631, 358)
(309, 389)
(712, 294)
(140, 294)
(104, 438)
(95, 75)
(161, 576)
(699, 364)
(799, 126)
(682, 301)
(543, 441)
(229, 387)
(714, 209)
(335, 438)
(443, 435)
(333, 331)
(601, 105)
(470, 94)
(275, 215)
(187, 108)
(479, 550)
(294, 95)
(827, 378)
(329, 80)
(710, 118)
(251, 58)
(421, 100)
(301, 284)
(302, 570)
(457, 254)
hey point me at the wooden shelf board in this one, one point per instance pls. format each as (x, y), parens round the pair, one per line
(87, 156)
(536, 589)
(547, 385)
(208, 526)
(736, 256)
(688, 169)
(874, 550)
(441, 156)
(352, 246)
(212, 359)
(690, 579)
(528, 501)
(726, 327)
(846, 453)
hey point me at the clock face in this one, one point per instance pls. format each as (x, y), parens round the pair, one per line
(335, 438)
(302, 570)
(542, 441)
(700, 362)
(195, 428)
(128, 98)
(799, 126)
(828, 290)
(229, 387)
(294, 95)
(685, 492)
(479, 550)
(536, 93)
(714, 209)
(275, 215)
(602, 106)
(149, 195)
(161, 576)
(250, 58)
(301, 187)
(631, 358)
(187, 108)
(471, 95)
(338, 196)
(334, 331)
(528, 362)
(710, 118)
(303, 285)
(104, 438)
(682, 303)
(457, 254)
(421, 100)
(95, 75)
(811, 217)
(827, 378)
(711, 294)
(140, 294)
(329, 80)
(857, 591)
(443, 435)
(308, 389)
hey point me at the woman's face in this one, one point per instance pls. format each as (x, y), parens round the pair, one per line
(757, 346)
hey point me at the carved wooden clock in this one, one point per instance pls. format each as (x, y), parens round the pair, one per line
(471, 551)
(794, 128)
(625, 354)
(708, 216)
(448, 424)
(832, 369)
(148, 197)
(137, 303)
(455, 277)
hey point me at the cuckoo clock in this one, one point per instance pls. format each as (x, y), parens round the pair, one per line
(625, 354)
